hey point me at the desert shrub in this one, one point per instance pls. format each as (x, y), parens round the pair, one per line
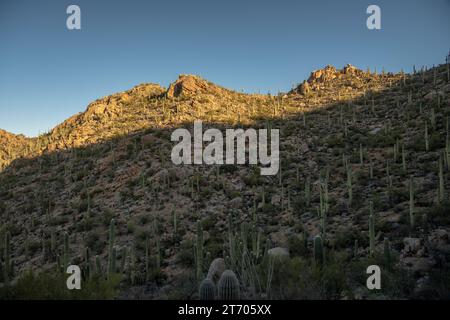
(253, 179)
(94, 242)
(2, 207)
(440, 213)
(437, 286)
(345, 238)
(208, 222)
(82, 206)
(297, 245)
(186, 255)
(229, 168)
(143, 219)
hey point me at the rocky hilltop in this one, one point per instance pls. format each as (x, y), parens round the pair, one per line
(192, 85)
(363, 180)
(11, 147)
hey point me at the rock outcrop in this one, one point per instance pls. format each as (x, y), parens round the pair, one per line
(191, 85)
(326, 76)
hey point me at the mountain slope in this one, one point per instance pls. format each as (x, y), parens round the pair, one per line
(11, 147)
(113, 162)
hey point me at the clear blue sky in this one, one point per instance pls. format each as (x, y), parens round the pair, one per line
(48, 73)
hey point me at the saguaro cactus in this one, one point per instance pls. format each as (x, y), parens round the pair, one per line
(403, 158)
(256, 239)
(441, 180)
(231, 240)
(53, 242)
(199, 250)
(355, 248)
(7, 257)
(123, 258)
(395, 150)
(447, 149)
(66, 250)
(98, 265)
(349, 186)
(318, 250)
(387, 253)
(411, 203)
(433, 119)
(228, 286)
(87, 261)
(307, 192)
(158, 253)
(175, 222)
(361, 154)
(371, 169)
(447, 62)
(371, 231)
(323, 207)
(111, 262)
(147, 258)
(113, 268)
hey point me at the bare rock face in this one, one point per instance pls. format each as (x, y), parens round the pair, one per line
(91, 125)
(322, 75)
(417, 264)
(413, 256)
(278, 252)
(304, 88)
(11, 146)
(349, 69)
(7, 138)
(190, 85)
(328, 76)
(112, 105)
(412, 245)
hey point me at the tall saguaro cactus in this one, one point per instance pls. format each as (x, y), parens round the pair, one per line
(199, 251)
(361, 154)
(411, 203)
(441, 194)
(349, 186)
(111, 252)
(231, 241)
(318, 250)
(66, 250)
(7, 257)
(387, 253)
(307, 191)
(87, 261)
(175, 222)
(371, 231)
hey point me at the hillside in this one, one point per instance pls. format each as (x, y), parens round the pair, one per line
(12, 147)
(352, 143)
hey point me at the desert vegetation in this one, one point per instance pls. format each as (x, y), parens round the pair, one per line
(364, 179)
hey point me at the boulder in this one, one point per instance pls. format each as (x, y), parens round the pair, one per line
(416, 264)
(412, 245)
(278, 252)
